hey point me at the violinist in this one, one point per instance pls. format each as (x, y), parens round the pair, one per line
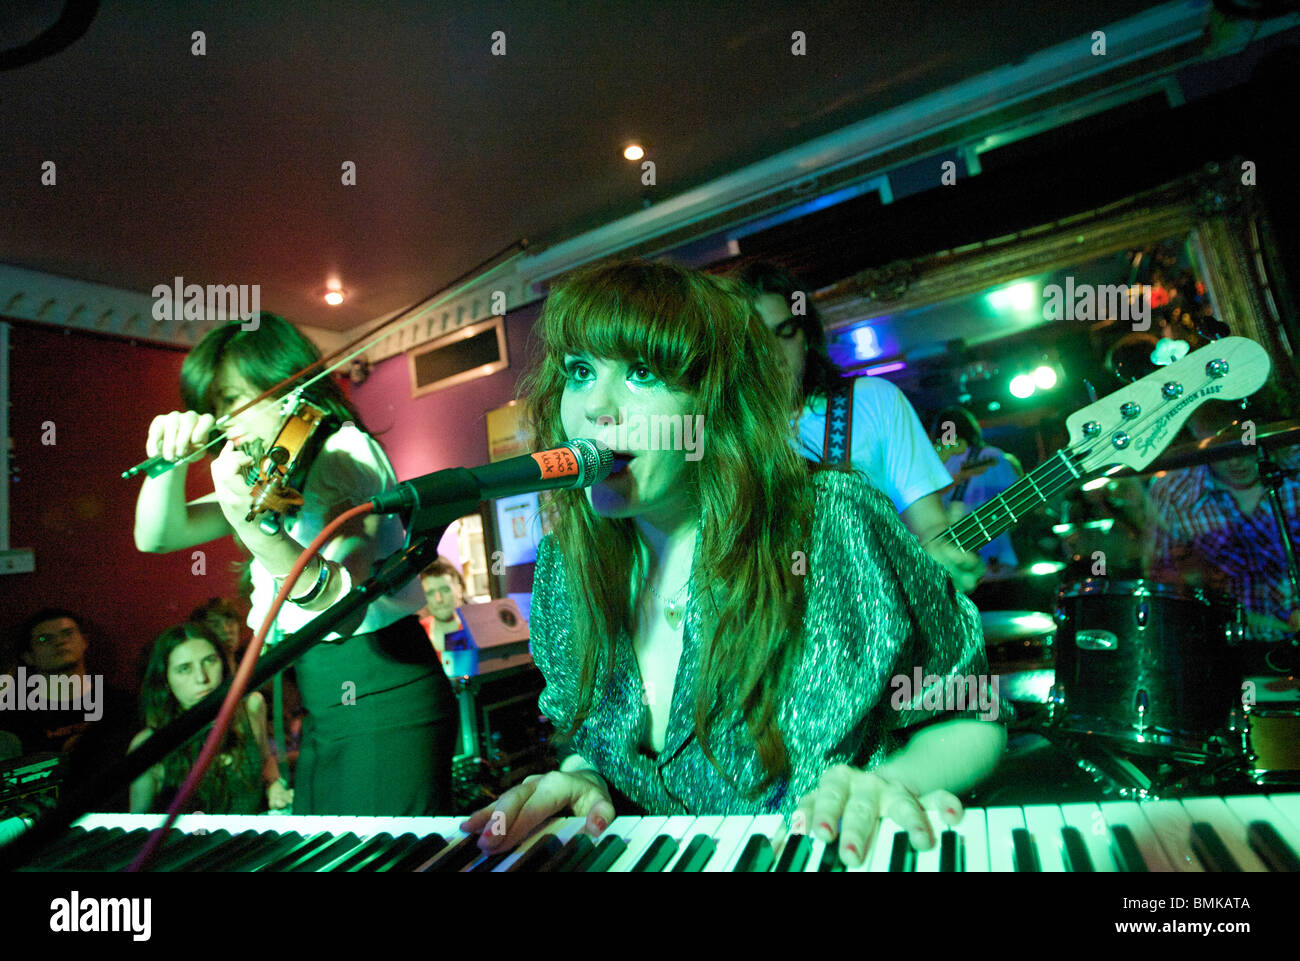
(380, 715)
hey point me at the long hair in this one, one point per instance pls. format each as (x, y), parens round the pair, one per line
(265, 354)
(820, 373)
(752, 489)
(158, 706)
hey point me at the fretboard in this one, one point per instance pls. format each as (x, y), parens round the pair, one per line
(1024, 496)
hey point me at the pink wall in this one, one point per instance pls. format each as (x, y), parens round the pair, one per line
(70, 504)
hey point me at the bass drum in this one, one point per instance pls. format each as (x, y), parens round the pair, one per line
(1153, 666)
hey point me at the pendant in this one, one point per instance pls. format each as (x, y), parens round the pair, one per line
(673, 615)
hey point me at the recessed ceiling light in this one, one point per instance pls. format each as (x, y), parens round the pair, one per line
(334, 297)
(633, 152)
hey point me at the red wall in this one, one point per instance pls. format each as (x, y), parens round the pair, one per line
(71, 506)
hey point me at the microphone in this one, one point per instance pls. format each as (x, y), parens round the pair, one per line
(579, 463)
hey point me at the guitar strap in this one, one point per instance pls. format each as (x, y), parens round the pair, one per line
(838, 440)
(959, 492)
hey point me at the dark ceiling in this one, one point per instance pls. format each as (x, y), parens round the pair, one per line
(226, 168)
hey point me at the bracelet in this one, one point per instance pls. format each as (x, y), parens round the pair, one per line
(318, 588)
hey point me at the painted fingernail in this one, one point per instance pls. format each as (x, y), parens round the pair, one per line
(852, 849)
(600, 823)
(825, 827)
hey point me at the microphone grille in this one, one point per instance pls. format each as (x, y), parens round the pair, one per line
(595, 461)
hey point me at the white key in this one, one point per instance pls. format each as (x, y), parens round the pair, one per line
(1228, 827)
(1044, 822)
(877, 861)
(1257, 808)
(1091, 824)
(815, 858)
(1002, 821)
(1289, 805)
(637, 842)
(927, 862)
(731, 840)
(974, 830)
(1130, 815)
(1173, 829)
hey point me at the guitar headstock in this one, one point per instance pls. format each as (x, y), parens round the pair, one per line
(1133, 425)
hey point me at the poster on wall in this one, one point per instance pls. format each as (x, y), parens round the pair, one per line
(520, 526)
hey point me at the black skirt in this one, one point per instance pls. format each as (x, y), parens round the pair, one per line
(380, 727)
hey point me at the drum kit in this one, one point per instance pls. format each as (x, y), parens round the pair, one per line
(1149, 687)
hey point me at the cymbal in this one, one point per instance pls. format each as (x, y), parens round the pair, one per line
(1006, 627)
(1282, 433)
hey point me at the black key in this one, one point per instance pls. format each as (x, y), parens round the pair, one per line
(952, 854)
(798, 848)
(389, 855)
(1210, 849)
(831, 863)
(1023, 853)
(696, 855)
(69, 847)
(903, 855)
(490, 863)
(275, 846)
(1270, 847)
(1123, 847)
(91, 842)
(437, 855)
(120, 853)
(174, 856)
(606, 854)
(570, 856)
(339, 848)
(372, 848)
(757, 856)
(537, 855)
(316, 842)
(657, 855)
(233, 856)
(1076, 852)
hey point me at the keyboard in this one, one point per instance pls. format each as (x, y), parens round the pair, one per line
(1249, 833)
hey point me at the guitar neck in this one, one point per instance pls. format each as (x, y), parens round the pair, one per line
(1004, 512)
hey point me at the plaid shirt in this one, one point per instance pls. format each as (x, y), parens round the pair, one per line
(1202, 536)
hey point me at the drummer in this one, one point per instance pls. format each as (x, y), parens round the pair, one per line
(1213, 529)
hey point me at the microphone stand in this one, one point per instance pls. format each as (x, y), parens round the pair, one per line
(1272, 476)
(424, 530)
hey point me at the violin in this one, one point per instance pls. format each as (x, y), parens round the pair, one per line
(277, 472)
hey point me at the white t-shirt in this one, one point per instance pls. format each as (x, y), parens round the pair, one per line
(350, 469)
(889, 444)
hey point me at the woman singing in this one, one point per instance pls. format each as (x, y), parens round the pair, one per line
(186, 665)
(380, 722)
(723, 630)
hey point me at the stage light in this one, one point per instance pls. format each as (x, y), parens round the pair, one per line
(994, 405)
(1045, 377)
(633, 152)
(1046, 567)
(865, 343)
(1022, 385)
(333, 297)
(1019, 297)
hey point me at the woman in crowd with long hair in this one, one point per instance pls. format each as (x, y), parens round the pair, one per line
(381, 718)
(722, 628)
(187, 664)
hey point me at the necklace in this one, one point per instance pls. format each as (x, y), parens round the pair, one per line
(674, 609)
